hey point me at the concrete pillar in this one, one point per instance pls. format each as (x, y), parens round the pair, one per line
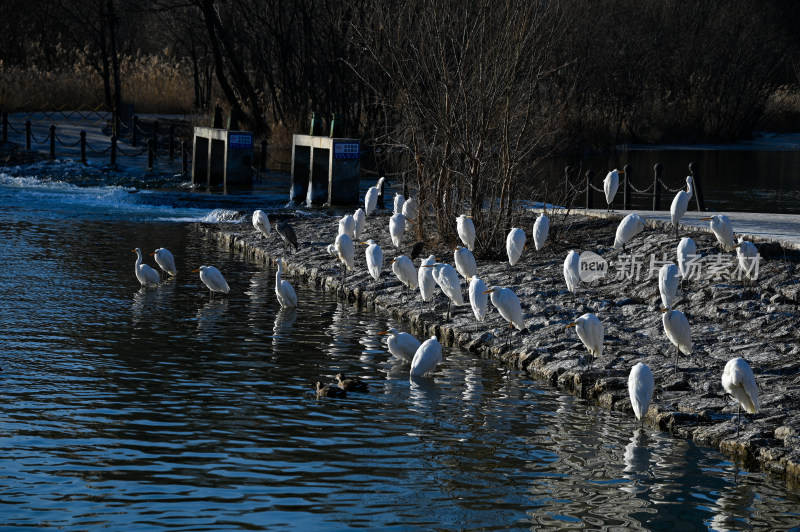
(200, 161)
(301, 172)
(320, 171)
(216, 163)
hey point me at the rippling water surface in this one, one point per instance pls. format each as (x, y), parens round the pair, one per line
(138, 409)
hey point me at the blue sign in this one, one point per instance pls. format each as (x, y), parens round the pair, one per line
(346, 150)
(240, 142)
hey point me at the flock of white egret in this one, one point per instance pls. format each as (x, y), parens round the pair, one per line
(738, 379)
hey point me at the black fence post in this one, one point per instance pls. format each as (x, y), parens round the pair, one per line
(184, 159)
(589, 195)
(5, 127)
(135, 130)
(150, 153)
(263, 165)
(27, 134)
(155, 139)
(114, 152)
(172, 142)
(698, 190)
(53, 141)
(658, 169)
(83, 147)
(626, 180)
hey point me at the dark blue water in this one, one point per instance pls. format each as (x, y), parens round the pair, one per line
(143, 409)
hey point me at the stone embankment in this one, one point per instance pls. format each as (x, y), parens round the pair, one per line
(729, 318)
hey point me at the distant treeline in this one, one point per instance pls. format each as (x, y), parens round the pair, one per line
(461, 90)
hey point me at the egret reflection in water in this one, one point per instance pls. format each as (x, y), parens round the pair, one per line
(211, 317)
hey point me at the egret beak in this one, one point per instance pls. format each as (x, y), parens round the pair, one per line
(664, 310)
(707, 218)
(620, 171)
(572, 325)
(153, 253)
(197, 270)
(133, 251)
(428, 265)
(392, 261)
(365, 243)
(384, 332)
(487, 291)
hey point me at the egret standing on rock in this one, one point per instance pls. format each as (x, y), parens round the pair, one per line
(399, 201)
(677, 329)
(515, 244)
(374, 256)
(286, 232)
(213, 279)
(640, 389)
(687, 250)
(410, 209)
(397, 228)
(404, 269)
(346, 253)
(261, 222)
(629, 227)
(508, 305)
(747, 254)
(680, 203)
(739, 381)
(466, 231)
(592, 333)
(401, 344)
(572, 270)
(447, 278)
(610, 186)
(146, 275)
(347, 226)
(361, 220)
(668, 280)
(723, 230)
(541, 228)
(283, 289)
(478, 298)
(426, 358)
(166, 261)
(425, 279)
(465, 263)
(371, 197)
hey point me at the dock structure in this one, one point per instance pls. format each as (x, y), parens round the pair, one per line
(222, 157)
(325, 170)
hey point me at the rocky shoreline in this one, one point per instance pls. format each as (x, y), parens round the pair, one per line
(757, 321)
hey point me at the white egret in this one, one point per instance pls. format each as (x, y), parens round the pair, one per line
(411, 209)
(426, 358)
(515, 244)
(346, 253)
(478, 298)
(347, 226)
(592, 333)
(351, 384)
(629, 227)
(397, 228)
(739, 381)
(401, 344)
(371, 197)
(328, 391)
(166, 261)
(747, 254)
(374, 255)
(677, 329)
(261, 222)
(287, 234)
(213, 279)
(680, 203)
(668, 280)
(610, 186)
(447, 278)
(331, 249)
(508, 305)
(283, 289)
(541, 228)
(425, 279)
(404, 269)
(572, 270)
(146, 275)
(465, 263)
(723, 230)
(466, 231)
(361, 221)
(399, 201)
(687, 250)
(640, 388)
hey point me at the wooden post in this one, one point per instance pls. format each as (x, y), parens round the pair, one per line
(155, 139)
(114, 152)
(134, 130)
(184, 159)
(27, 134)
(150, 154)
(698, 190)
(172, 142)
(589, 195)
(658, 168)
(53, 141)
(626, 180)
(83, 147)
